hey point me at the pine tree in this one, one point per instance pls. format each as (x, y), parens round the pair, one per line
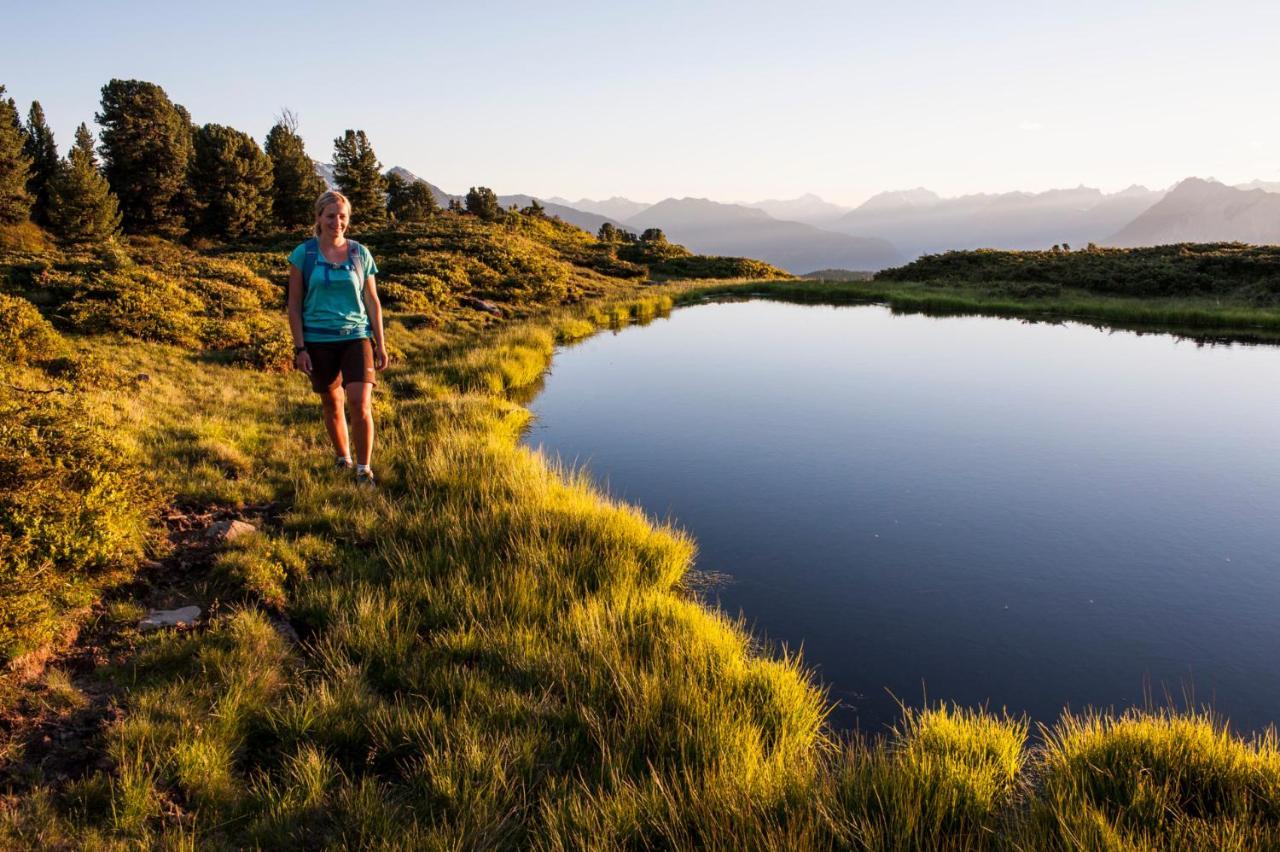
(146, 149)
(483, 202)
(359, 175)
(409, 201)
(15, 165)
(81, 205)
(231, 183)
(297, 186)
(43, 153)
(397, 189)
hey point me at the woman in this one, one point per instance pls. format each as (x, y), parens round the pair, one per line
(336, 321)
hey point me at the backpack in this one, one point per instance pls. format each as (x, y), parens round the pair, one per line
(354, 256)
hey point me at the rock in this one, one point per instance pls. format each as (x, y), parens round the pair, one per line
(480, 305)
(159, 618)
(230, 530)
(142, 377)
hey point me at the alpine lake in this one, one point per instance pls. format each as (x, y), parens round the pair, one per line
(991, 512)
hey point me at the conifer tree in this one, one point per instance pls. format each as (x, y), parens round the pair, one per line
(297, 186)
(359, 175)
(15, 165)
(43, 153)
(146, 151)
(231, 183)
(409, 201)
(81, 205)
(483, 202)
(397, 187)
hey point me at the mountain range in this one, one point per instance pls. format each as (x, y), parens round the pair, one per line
(1204, 211)
(709, 227)
(921, 222)
(808, 233)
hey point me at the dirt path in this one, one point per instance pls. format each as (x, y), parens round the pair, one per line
(55, 704)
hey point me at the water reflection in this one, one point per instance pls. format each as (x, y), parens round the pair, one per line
(980, 510)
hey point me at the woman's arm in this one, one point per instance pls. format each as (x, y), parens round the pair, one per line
(301, 360)
(374, 308)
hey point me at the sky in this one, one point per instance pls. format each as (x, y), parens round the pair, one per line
(734, 101)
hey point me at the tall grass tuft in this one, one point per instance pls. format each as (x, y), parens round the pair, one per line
(946, 778)
(1158, 777)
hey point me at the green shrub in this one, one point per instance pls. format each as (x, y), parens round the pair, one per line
(138, 303)
(705, 266)
(26, 337)
(426, 294)
(71, 509)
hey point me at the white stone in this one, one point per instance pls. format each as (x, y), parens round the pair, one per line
(156, 619)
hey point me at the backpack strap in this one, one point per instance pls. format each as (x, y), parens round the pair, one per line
(309, 263)
(356, 258)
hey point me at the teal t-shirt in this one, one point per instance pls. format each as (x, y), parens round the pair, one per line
(333, 308)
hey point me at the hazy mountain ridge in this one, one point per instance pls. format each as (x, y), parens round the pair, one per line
(1205, 211)
(921, 222)
(710, 227)
(808, 233)
(616, 208)
(808, 208)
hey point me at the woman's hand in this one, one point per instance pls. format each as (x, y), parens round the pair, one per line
(380, 357)
(302, 362)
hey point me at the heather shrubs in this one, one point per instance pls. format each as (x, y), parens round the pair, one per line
(70, 511)
(26, 337)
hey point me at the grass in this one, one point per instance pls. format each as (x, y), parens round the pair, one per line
(495, 654)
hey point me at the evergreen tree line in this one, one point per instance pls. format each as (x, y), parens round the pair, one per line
(160, 173)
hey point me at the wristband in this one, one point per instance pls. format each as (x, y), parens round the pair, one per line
(298, 350)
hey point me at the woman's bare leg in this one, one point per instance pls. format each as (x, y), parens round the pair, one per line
(334, 421)
(360, 409)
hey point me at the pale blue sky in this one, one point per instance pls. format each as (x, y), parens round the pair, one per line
(732, 101)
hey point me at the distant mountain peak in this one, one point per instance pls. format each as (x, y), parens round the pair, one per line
(1200, 210)
(809, 208)
(901, 199)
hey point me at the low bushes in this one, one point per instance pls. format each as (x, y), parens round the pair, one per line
(71, 511)
(1184, 269)
(26, 337)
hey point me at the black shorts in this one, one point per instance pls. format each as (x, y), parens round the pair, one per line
(350, 360)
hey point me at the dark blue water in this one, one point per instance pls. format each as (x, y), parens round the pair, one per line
(977, 510)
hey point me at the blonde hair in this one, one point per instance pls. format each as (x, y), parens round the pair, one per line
(326, 198)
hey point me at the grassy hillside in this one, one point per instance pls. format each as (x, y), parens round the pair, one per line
(484, 653)
(220, 307)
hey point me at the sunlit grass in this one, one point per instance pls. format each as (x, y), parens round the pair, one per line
(495, 654)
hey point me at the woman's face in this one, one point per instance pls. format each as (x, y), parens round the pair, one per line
(334, 219)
